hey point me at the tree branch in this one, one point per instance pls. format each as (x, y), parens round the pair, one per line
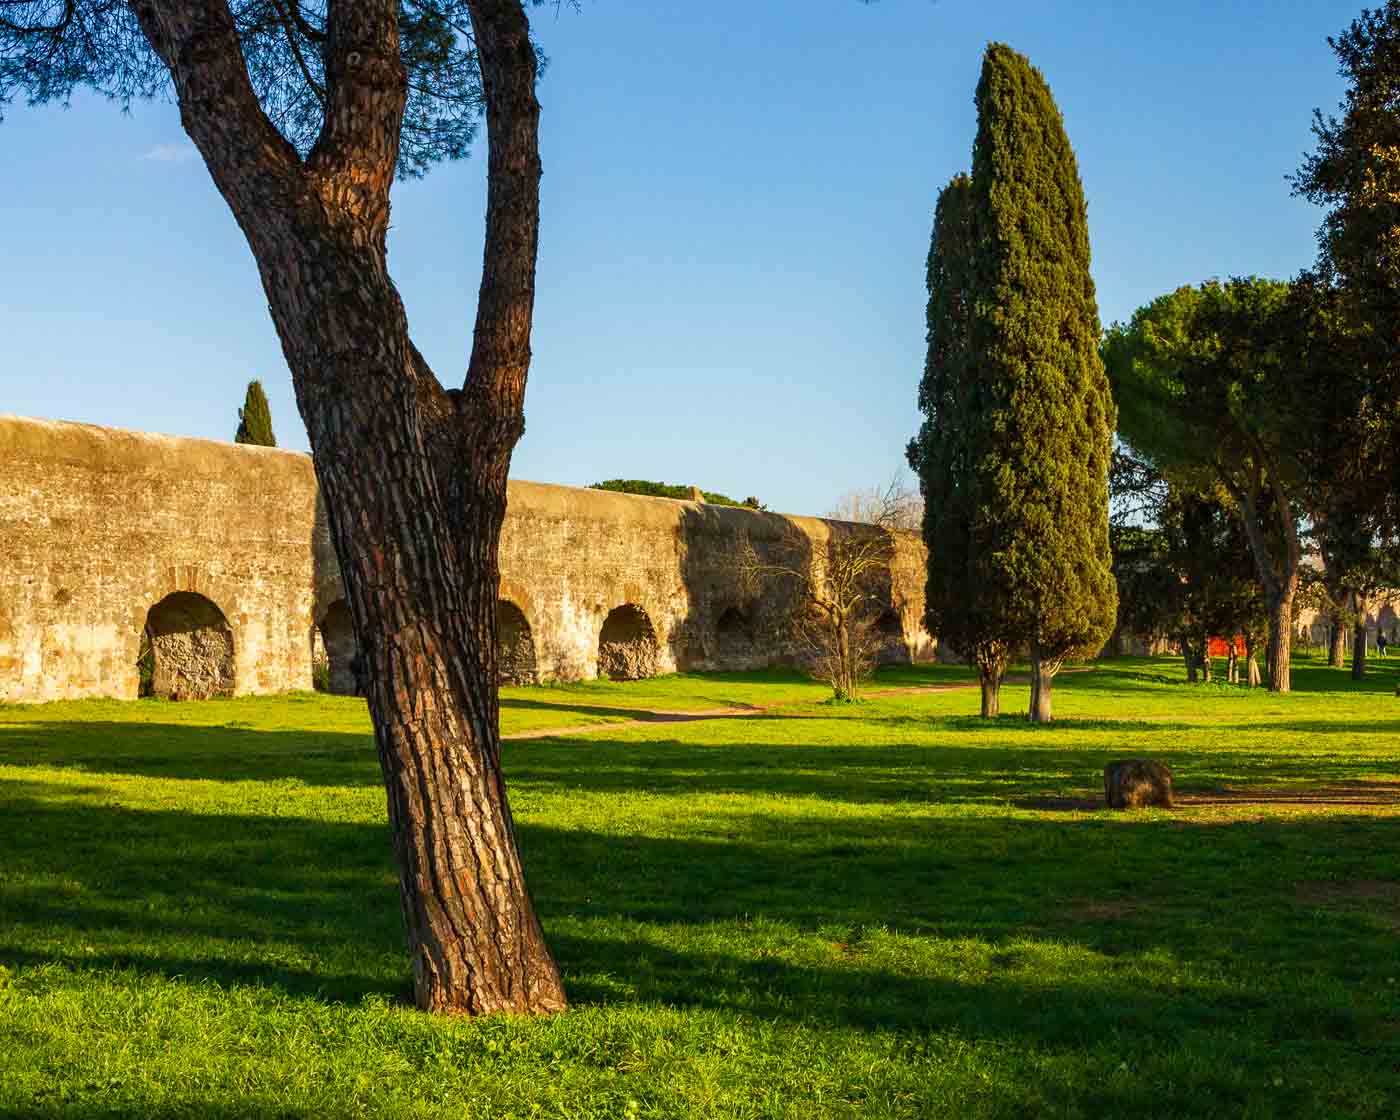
(250, 161)
(500, 357)
(354, 158)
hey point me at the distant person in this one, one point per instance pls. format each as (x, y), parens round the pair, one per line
(1381, 643)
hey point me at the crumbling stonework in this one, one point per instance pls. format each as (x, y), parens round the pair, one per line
(98, 526)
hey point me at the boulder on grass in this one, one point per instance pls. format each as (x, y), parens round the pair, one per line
(1136, 783)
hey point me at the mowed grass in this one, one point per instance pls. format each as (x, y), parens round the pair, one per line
(884, 909)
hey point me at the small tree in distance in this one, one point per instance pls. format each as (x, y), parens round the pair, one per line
(892, 506)
(1018, 375)
(833, 602)
(255, 418)
(958, 605)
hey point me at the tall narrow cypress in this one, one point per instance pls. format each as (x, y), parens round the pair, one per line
(1040, 434)
(956, 609)
(255, 418)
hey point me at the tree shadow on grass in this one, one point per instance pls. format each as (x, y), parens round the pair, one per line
(310, 907)
(641, 715)
(184, 751)
(1010, 759)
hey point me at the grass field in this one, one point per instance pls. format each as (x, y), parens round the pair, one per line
(889, 909)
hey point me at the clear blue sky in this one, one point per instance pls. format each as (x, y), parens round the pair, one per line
(737, 203)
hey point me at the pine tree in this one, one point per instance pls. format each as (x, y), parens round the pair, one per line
(956, 610)
(1039, 434)
(255, 418)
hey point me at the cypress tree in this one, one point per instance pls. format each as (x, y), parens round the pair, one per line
(255, 418)
(1040, 432)
(956, 610)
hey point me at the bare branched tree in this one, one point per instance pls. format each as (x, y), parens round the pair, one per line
(834, 600)
(896, 505)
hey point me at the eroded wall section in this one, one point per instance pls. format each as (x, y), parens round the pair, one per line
(100, 525)
(219, 557)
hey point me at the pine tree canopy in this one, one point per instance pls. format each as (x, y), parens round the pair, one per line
(1041, 429)
(255, 418)
(50, 48)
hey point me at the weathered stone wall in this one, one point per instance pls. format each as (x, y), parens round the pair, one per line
(98, 525)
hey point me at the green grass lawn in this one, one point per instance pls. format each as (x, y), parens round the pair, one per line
(883, 909)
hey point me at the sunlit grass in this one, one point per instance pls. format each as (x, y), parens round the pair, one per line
(883, 909)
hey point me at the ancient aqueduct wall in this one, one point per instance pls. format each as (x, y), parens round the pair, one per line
(219, 556)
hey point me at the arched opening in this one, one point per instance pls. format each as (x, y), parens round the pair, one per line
(889, 629)
(515, 645)
(734, 640)
(627, 646)
(338, 642)
(186, 649)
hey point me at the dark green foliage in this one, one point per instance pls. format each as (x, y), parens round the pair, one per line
(255, 418)
(942, 454)
(670, 490)
(1015, 370)
(47, 50)
(1355, 171)
(1181, 560)
(1207, 394)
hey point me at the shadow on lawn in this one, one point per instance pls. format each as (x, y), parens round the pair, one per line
(310, 907)
(642, 715)
(1009, 759)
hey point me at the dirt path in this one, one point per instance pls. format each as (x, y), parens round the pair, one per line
(646, 716)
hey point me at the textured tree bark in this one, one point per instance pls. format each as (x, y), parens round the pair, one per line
(1337, 640)
(991, 693)
(1042, 672)
(414, 476)
(1280, 640)
(1358, 650)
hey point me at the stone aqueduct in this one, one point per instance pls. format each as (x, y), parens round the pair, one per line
(214, 562)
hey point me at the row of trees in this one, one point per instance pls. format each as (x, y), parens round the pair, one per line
(1258, 420)
(1013, 455)
(1270, 410)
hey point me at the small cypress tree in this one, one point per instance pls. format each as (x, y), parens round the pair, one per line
(255, 418)
(1039, 434)
(956, 608)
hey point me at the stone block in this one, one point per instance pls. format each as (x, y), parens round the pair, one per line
(1137, 783)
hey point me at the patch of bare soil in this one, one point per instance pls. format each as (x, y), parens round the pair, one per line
(1380, 897)
(1101, 911)
(1336, 795)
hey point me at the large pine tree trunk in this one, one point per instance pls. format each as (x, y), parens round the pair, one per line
(1336, 641)
(414, 476)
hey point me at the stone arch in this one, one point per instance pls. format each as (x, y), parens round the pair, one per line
(735, 644)
(337, 631)
(515, 645)
(186, 649)
(628, 649)
(893, 645)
